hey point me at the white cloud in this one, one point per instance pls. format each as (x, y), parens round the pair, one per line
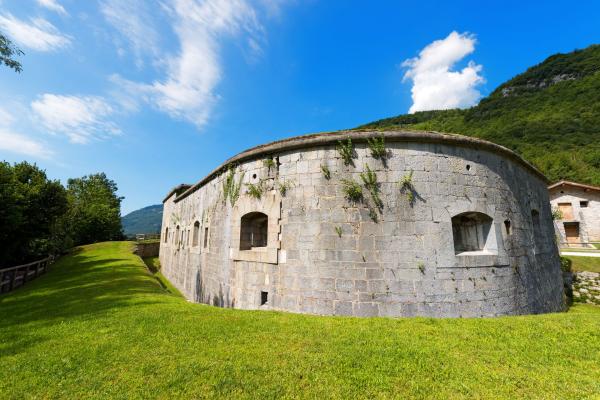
(80, 118)
(53, 5)
(187, 91)
(21, 144)
(38, 34)
(18, 143)
(133, 20)
(435, 85)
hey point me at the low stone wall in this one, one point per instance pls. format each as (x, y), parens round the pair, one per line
(586, 287)
(147, 249)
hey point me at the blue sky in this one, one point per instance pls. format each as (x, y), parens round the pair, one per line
(156, 93)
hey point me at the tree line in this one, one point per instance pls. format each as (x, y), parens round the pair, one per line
(40, 216)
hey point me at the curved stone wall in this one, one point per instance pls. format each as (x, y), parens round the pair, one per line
(453, 226)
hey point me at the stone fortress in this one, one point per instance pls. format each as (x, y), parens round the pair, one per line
(367, 223)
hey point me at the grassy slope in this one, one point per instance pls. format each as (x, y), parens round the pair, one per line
(556, 126)
(98, 325)
(585, 263)
(153, 264)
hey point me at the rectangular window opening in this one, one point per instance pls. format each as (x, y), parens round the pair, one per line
(583, 204)
(264, 297)
(206, 237)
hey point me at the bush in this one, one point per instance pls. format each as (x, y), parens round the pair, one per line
(565, 264)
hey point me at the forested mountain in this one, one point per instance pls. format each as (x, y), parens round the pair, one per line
(144, 220)
(550, 114)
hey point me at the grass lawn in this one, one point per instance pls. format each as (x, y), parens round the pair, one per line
(98, 325)
(585, 263)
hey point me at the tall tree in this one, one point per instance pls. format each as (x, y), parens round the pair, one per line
(8, 52)
(31, 206)
(95, 209)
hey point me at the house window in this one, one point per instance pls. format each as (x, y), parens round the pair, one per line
(196, 233)
(471, 231)
(206, 237)
(583, 204)
(166, 239)
(177, 236)
(253, 232)
(566, 210)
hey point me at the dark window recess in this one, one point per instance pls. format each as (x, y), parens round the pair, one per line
(468, 167)
(507, 227)
(537, 230)
(264, 297)
(206, 237)
(196, 234)
(583, 204)
(470, 231)
(253, 230)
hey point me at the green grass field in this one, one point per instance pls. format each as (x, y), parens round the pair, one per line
(584, 263)
(98, 325)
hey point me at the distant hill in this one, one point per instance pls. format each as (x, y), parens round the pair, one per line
(550, 114)
(145, 220)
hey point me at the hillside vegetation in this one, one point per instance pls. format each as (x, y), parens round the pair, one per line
(144, 220)
(98, 325)
(550, 114)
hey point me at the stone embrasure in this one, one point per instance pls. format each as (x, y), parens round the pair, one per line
(448, 226)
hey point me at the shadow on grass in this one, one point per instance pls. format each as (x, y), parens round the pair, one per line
(80, 286)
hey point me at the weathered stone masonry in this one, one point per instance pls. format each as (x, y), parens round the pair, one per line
(475, 238)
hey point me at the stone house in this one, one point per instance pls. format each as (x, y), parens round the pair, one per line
(578, 209)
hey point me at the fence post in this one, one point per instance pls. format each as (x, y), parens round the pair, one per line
(12, 280)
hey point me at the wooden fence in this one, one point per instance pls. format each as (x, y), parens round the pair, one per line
(13, 277)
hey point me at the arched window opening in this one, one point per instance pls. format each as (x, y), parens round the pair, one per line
(166, 238)
(471, 231)
(196, 233)
(253, 232)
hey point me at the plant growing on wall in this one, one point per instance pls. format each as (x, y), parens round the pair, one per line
(352, 190)
(338, 230)
(369, 179)
(255, 190)
(325, 171)
(269, 163)
(421, 266)
(230, 188)
(346, 150)
(377, 147)
(557, 214)
(373, 215)
(284, 187)
(406, 186)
